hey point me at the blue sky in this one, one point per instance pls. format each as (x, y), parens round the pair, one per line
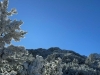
(67, 24)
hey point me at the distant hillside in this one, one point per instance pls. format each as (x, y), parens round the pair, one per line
(45, 52)
(74, 63)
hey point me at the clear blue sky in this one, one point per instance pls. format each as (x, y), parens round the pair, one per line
(67, 24)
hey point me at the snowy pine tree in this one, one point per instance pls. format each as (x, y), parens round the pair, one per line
(11, 57)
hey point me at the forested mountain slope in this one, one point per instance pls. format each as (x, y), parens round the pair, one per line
(73, 63)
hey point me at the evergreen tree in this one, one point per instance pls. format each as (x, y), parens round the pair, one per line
(11, 57)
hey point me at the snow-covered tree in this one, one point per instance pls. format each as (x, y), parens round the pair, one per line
(11, 56)
(39, 66)
(53, 67)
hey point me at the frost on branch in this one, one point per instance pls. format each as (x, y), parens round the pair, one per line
(14, 56)
(11, 56)
(53, 68)
(40, 66)
(9, 29)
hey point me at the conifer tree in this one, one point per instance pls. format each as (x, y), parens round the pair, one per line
(11, 57)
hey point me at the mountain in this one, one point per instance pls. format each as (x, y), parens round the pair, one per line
(73, 63)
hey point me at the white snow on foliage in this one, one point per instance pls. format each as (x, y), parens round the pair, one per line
(16, 60)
